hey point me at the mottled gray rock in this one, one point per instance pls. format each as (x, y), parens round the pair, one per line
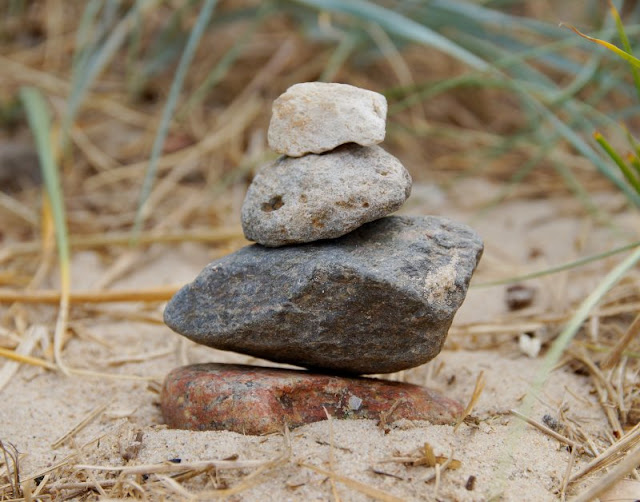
(315, 117)
(377, 300)
(323, 196)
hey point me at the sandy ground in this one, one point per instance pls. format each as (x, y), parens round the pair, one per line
(504, 457)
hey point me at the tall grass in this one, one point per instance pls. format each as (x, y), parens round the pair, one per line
(500, 50)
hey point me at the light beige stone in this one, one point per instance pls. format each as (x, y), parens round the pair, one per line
(316, 117)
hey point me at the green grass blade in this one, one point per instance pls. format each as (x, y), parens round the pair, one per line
(580, 145)
(97, 61)
(83, 43)
(478, 13)
(560, 268)
(399, 25)
(84, 47)
(632, 60)
(626, 45)
(573, 183)
(163, 129)
(632, 141)
(40, 125)
(222, 68)
(624, 168)
(635, 163)
(521, 173)
(345, 48)
(134, 48)
(582, 78)
(39, 122)
(166, 45)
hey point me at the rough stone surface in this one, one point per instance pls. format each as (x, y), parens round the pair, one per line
(316, 117)
(254, 400)
(323, 196)
(377, 300)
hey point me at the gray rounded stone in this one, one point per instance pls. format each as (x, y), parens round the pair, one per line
(297, 200)
(315, 117)
(380, 299)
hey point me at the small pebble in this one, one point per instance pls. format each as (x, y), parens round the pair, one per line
(519, 296)
(529, 345)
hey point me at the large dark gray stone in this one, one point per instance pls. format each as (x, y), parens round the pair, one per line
(377, 300)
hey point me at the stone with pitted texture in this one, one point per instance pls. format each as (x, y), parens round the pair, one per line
(296, 200)
(254, 400)
(377, 300)
(315, 117)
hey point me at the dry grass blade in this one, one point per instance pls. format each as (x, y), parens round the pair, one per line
(426, 457)
(80, 425)
(383, 423)
(610, 454)
(95, 155)
(440, 467)
(545, 429)
(246, 483)
(604, 388)
(628, 464)
(57, 86)
(83, 485)
(158, 294)
(614, 356)
(18, 209)
(45, 473)
(117, 361)
(176, 487)
(356, 485)
(164, 468)
(477, 391)
(332, 466)
(21, 354)
(115, 376)
(216, 235)
(12, 465)
(20, 358)
(567, 474)
(237, 123)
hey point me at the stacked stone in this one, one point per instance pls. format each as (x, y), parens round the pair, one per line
(333, 283)
(332, 178)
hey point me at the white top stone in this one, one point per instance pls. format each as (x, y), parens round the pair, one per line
(315, 117)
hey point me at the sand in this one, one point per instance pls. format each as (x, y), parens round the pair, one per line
(498, 454)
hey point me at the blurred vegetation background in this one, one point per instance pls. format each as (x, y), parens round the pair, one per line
(143, 121)
(149, 91)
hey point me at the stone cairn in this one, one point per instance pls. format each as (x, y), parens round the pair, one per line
(333, 283)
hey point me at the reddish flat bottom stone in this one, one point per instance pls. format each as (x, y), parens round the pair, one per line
(256, 400)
